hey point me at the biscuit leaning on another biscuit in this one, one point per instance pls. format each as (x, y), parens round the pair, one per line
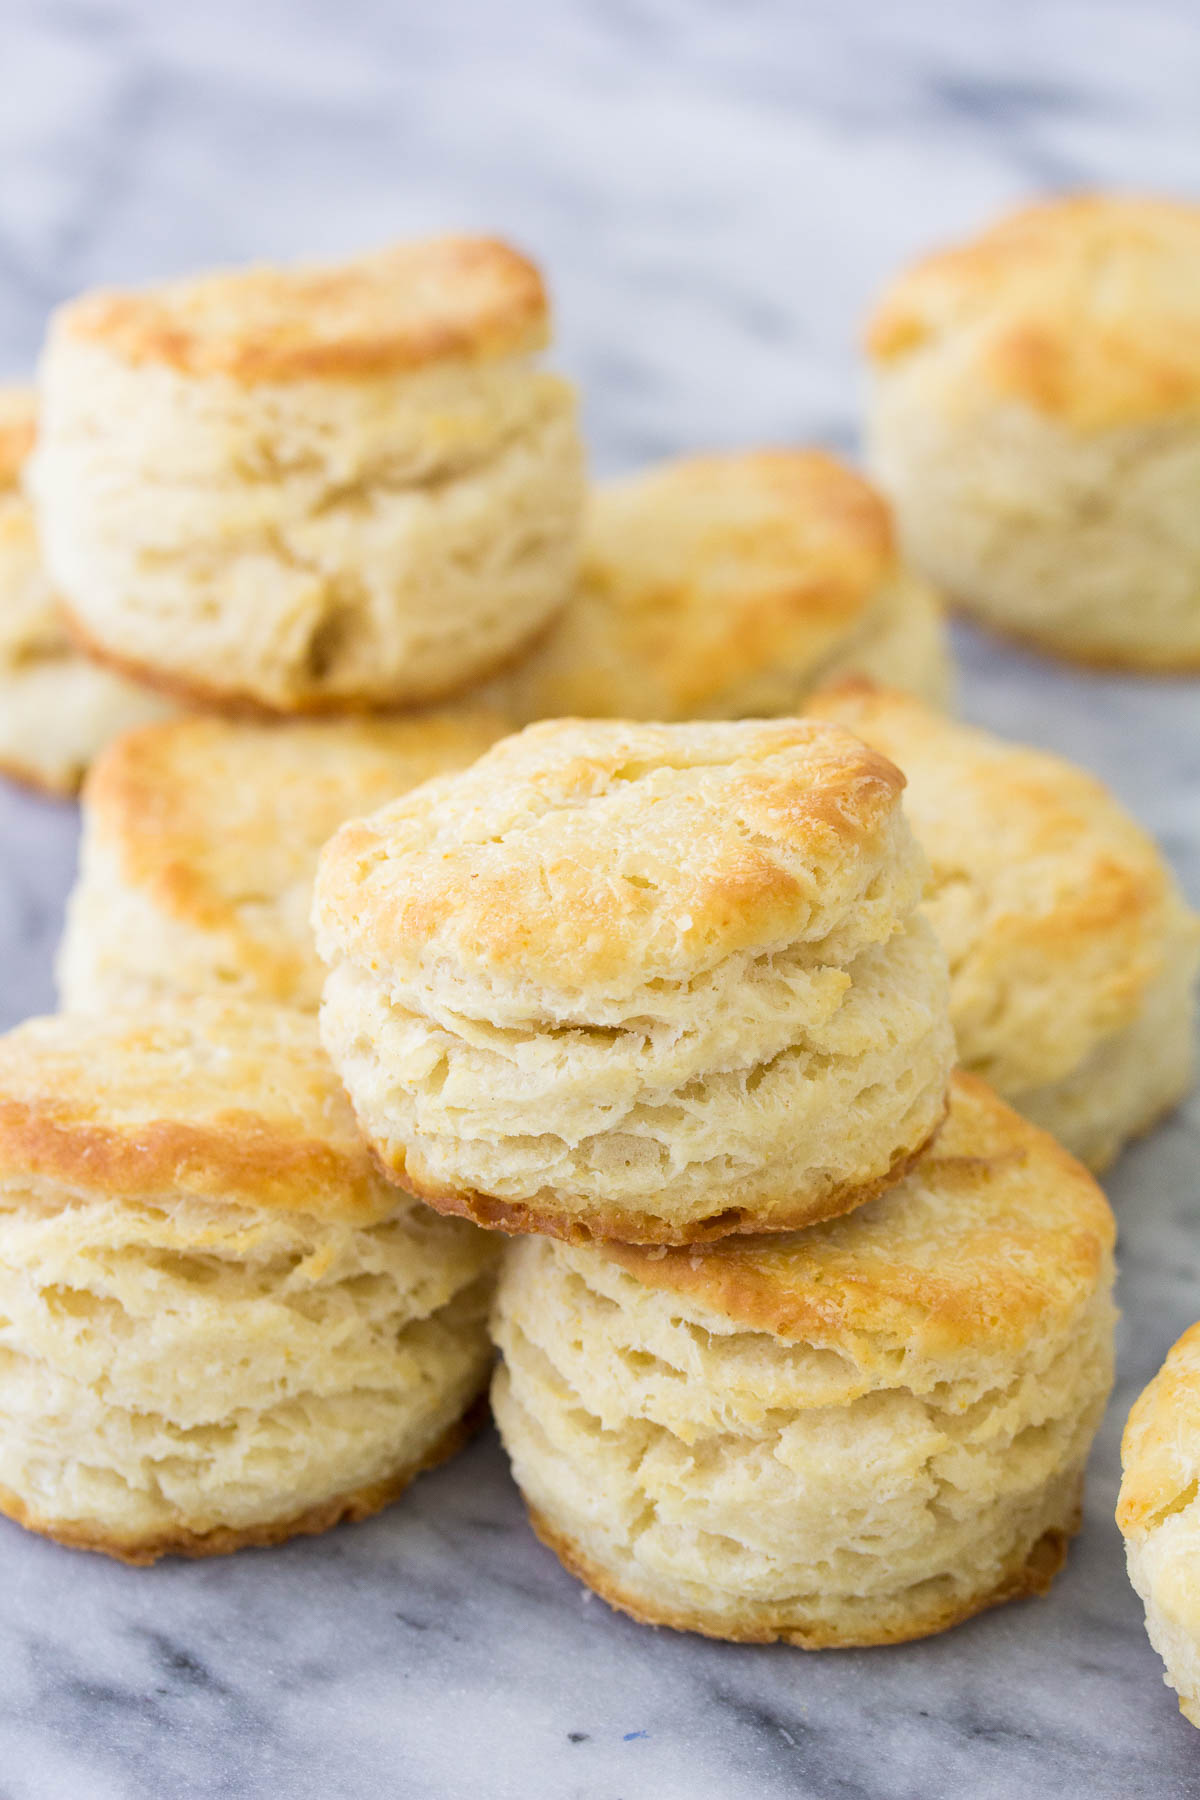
(1072, 954)
(858, 1434)
(220, 1326)
(1036, 423)
(200, 844)
(651, 982)
(57, 708)
(313, 488)
(730, 587)
(1159, 1515)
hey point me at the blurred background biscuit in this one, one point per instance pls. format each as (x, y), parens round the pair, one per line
(1072, 954)
(311, 488)
(57, 708)
(1036, 423)
(200, 844)
(222, 1327)
(729, 586)
(857, 1434)
(1159, 1515)
(650, 982)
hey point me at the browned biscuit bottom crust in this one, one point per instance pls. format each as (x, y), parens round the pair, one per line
(345, 1509)
(236, 704)
(39, 785)
(619, 1226)
(1102, 662)
(1032, 1576)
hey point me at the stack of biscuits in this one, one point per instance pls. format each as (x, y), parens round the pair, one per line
(547, 919)
(781, 1358)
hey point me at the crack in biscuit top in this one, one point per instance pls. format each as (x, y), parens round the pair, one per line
(1085, 308)
(400, 309)
(604, 856)
(995, 1232)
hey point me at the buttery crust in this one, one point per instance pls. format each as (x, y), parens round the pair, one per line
(197, 813)
(136, 1106)
(704, 576)
(579, 855)
(404, 308)
(1034, 1575)
(616, 1226)
(1084, 308)
(1031, 1231)
(346, 1509)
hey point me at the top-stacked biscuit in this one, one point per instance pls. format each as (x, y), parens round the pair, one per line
(647, 982)
(311, 489)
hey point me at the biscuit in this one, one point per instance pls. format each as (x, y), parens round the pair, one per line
(1072, 954)
(200, 844)
(1036, 423)
(858, 1434)
(311, 489)
(57, 709)
(650, 982)
(1159, 1516)
(730, 587)
(221, 1326)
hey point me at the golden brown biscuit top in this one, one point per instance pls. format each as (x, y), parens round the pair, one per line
(207, 1099)
(994, 1232)
(1037, 874)
(403, 308)
(708, 568)
(1160, 1449)
(590, 854)
(1085, 308)
(219, 822)
(18, 427)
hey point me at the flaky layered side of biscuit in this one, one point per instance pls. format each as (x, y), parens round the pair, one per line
(221, 1327)
(312, 489)
(1072, 954)
(857, 1434)
(656, 983)
(200, 844)
(1036, 423)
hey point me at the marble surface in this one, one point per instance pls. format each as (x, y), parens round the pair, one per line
(715, 190)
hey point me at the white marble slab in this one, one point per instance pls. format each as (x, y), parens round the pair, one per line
(715, 190)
